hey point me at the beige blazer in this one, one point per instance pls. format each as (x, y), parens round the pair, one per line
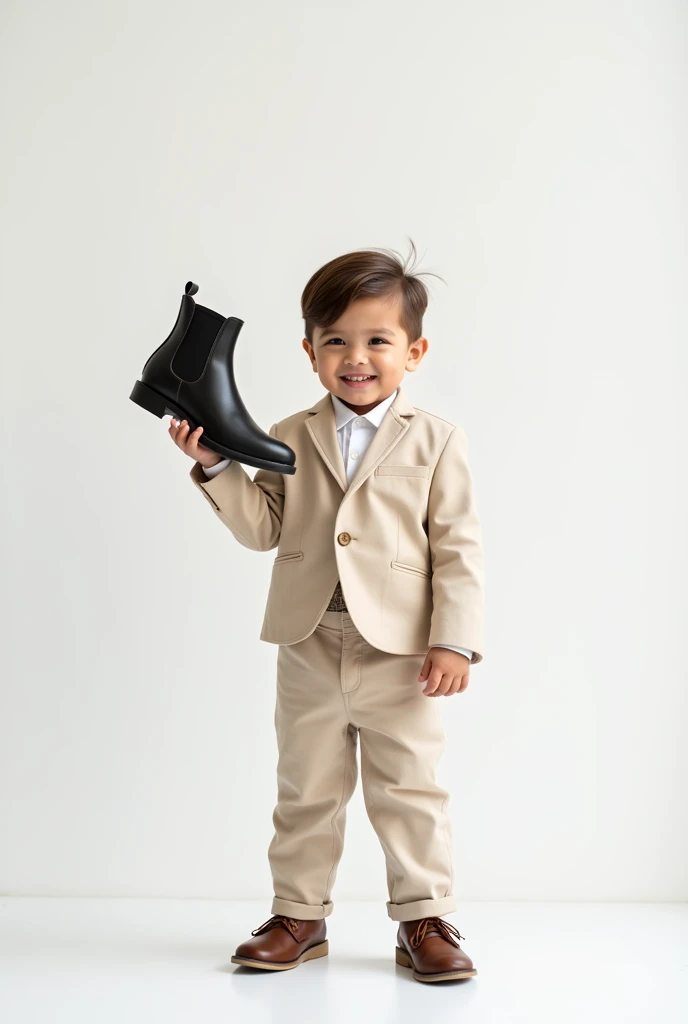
(403, 537)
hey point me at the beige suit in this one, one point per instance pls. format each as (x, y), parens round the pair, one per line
(403, 538)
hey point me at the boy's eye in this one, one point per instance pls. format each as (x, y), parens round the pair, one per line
(383, 340)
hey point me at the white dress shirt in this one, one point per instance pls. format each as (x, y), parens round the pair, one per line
(354, 434)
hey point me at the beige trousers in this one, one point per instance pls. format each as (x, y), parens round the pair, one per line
(332, 689)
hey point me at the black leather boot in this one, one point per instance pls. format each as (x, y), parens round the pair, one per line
(191, 376)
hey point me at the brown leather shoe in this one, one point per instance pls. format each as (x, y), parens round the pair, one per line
(429, 945)
(282, 943)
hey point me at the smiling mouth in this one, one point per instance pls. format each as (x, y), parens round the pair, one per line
(366, 376)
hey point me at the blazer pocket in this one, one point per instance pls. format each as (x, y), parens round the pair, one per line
(414, 569)
(289, 557)
(387, 470)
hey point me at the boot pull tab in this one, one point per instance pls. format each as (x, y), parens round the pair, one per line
(191, 288)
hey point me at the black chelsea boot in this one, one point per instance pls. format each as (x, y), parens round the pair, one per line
(191, 376)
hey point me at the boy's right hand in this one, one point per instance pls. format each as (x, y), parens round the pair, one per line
(188, 442)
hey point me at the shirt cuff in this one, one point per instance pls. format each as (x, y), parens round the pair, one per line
(461, 650)
(214, 470)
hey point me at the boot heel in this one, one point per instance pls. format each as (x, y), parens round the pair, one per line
(148, 399)
(402, 958)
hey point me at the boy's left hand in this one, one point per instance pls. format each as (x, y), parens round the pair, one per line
(446, 672)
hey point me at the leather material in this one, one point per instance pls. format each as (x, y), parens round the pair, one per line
(191, 376)
(432, 946)
(281, 940)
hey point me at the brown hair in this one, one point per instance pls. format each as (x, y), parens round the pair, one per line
(361, 274)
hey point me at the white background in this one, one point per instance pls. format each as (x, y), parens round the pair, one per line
(536, 155)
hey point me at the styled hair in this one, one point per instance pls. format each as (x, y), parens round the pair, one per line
(360, 274)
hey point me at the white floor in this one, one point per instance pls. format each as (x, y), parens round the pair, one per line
(168, 960)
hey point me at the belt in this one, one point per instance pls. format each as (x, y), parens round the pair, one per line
(337, 602)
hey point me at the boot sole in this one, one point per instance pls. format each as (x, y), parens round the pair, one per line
(404, 960)
(312, 953)
(153, 401)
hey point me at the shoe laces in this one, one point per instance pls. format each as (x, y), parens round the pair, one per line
(446, 930)
(290, 923)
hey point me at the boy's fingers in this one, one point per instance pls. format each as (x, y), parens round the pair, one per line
(188, 442)
(431, 685)
(179, 433)
(439, 684)
(193, 439)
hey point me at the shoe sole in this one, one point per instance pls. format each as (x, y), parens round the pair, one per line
(404, 960)
(312, 953)
(152, 401)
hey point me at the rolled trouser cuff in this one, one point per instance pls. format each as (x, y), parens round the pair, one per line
(421, 908)
(301, 911)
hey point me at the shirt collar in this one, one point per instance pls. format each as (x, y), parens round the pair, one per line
(343, 413)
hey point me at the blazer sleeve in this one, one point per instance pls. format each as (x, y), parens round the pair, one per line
(251, 508)
(455, 538)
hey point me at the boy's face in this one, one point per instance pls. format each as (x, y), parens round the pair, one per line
(366, 340)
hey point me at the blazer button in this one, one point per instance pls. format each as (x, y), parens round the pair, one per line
(344, 538)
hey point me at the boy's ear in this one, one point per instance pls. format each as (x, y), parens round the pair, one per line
(311, 354)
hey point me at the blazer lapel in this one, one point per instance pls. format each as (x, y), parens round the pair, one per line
(322, 427)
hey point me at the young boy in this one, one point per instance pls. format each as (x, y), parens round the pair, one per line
(376, 603)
